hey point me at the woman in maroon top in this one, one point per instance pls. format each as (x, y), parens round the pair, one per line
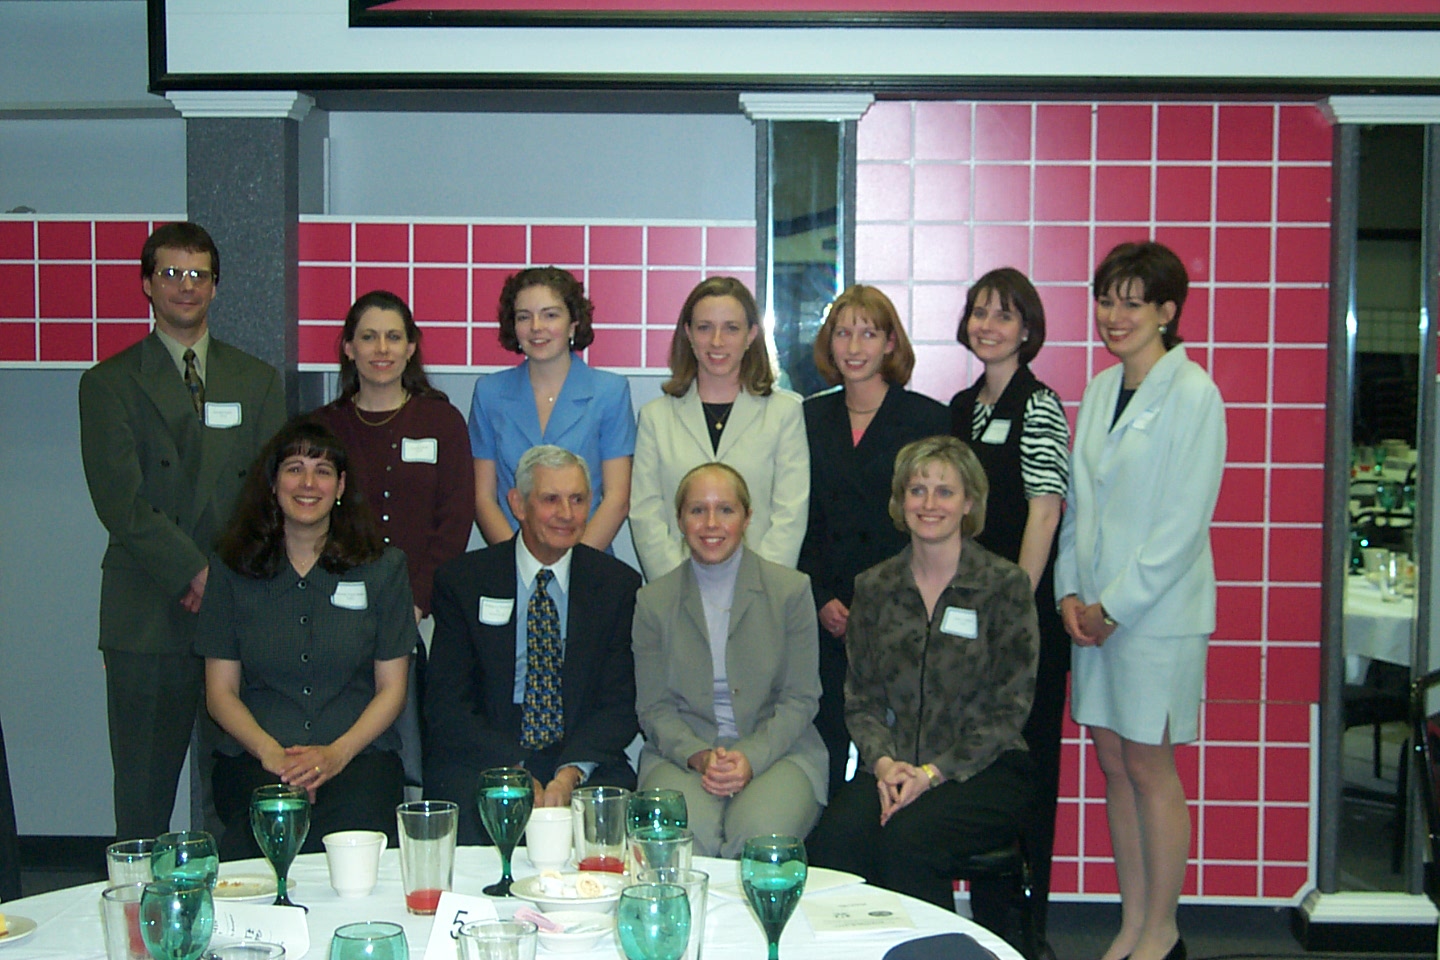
(409, 447)
(409, 452)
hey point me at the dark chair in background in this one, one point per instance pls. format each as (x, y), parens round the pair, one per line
(1425, 734)
(1383, 697)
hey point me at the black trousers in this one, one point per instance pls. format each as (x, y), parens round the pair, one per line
(363, 797)
(916, 852)
(1042, 736)
(152, 700)
(830, 719)
(459, 782)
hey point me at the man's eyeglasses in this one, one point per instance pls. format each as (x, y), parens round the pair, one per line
(176, 275)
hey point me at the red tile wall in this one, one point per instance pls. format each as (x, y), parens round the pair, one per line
(636, 274)
(70, 289)
(947, 191)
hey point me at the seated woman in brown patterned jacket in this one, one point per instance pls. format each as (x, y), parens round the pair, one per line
(943, 644)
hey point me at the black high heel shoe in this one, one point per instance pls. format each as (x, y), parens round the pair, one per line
(1177, 952)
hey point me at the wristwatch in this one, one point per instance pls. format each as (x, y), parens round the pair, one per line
(1109, 620)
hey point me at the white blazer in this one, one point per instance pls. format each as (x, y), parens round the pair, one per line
(764, 440)
(1136, 532)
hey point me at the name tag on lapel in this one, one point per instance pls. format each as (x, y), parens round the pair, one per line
(1144, 420)
(421, 450)
(222, 416)
(959, 622)
(495, 611)
(350, 595)
(997, 432)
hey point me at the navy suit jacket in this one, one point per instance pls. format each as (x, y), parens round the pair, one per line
(471, 720)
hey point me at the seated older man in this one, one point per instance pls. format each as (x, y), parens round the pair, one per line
(530, 664)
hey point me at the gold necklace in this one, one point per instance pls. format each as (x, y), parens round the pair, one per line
(360, 414)
(861, 413)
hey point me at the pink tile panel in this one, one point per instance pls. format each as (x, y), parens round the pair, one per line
(636, 275)
(70, 289)
(1241, 191)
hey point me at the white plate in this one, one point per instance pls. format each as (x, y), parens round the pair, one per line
(20, 928)
(248, 887)
(817, 880)
(529, 889)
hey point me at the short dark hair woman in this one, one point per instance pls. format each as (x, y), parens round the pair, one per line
(1139, 601)
(306, 630)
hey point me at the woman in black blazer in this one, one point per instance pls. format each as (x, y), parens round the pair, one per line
(854, 434)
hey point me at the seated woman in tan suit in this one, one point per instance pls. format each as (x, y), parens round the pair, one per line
(727, 678)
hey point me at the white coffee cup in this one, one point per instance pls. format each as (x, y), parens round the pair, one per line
(548, 836)
(353, 857)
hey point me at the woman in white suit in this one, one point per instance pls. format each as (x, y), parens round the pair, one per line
(1136, 581)
(727, 677)
(720, 403)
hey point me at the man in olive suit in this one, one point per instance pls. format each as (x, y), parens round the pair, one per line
(168, 429)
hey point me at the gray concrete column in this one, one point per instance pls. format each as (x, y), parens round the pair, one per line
(243, 186)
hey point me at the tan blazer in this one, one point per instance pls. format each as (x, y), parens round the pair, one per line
(771, 660)
(764, 439)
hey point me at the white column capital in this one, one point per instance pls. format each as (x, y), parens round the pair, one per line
(806, 106)
(283, 104)
(1388, 110)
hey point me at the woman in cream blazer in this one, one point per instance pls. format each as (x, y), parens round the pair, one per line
(1136, 581)
(720, 404)
(730, 723)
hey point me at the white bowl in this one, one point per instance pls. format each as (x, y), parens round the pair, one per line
(597, 927)
(529, 889)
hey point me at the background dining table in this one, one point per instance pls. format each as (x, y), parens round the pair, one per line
(1375, 629)
(69, 919)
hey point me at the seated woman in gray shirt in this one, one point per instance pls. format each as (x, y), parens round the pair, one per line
(727, 679)
(306, 629)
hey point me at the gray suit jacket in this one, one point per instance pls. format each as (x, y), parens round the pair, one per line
(163, 483)
(771, 660)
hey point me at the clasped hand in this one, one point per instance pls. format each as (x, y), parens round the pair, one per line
(723, 772)
(1085, 622)
(899, 784)
(308, 766)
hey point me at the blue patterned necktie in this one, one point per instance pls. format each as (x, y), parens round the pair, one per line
(542, 721)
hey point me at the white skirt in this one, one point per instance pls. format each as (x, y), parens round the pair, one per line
(1136, 685)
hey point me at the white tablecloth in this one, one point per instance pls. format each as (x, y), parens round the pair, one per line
(1374, 629)
(69, 919)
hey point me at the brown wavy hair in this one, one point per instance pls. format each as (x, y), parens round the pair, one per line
(757, 376)
(564, 285)
(413, 377)
(868, 303)
(253, 543)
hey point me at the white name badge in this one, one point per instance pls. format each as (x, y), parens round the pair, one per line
(495, 611)
(997, 432)
(1143, 421)
(350, 595)
(249, 922)
(959, 622)
(421, 450)
(453, 912)
(222, 416)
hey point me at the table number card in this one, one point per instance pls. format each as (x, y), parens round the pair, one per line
(238, 922)
(453, 912)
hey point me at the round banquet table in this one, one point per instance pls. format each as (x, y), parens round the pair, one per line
(69, 919)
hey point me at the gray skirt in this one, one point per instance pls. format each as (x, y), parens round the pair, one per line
(1136, 685)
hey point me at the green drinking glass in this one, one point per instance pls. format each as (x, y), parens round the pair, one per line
(772, 871)
(653, 920)
(656, 808)
(370, 940)
(505, 800)
(186, 855)
(177, 918)
(280, 819)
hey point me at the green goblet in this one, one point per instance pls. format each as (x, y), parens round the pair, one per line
(772, 871)
(653, 920)
(177, 918)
